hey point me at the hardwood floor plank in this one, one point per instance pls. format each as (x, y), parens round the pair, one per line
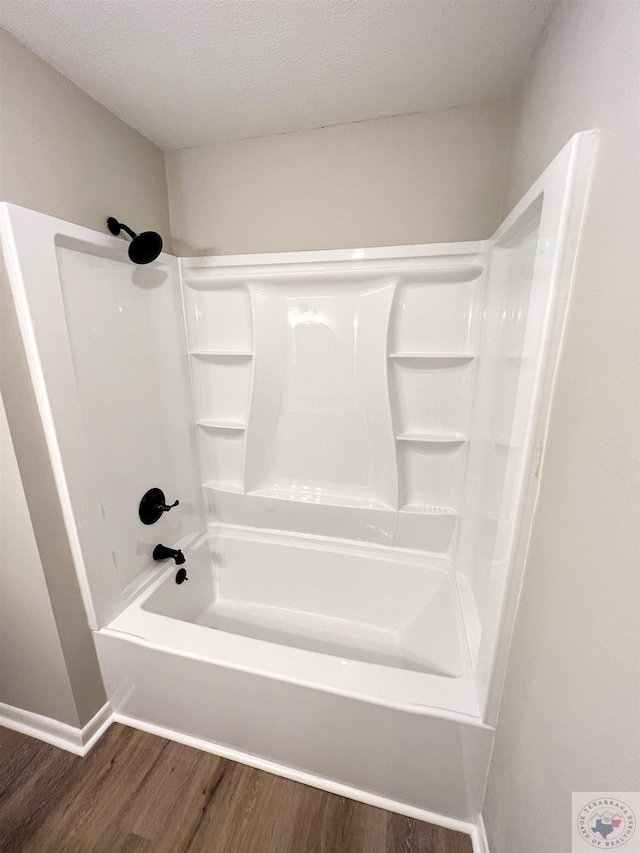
(136, 793)
(134, 844)
(190, 806)
(331, 824)
(18, 752)
(37, 777)
(175, 787)
(106, 781)
(246, 813)
(406, 835)
(453, 842)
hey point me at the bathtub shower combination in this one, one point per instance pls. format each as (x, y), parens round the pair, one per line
(353, 438)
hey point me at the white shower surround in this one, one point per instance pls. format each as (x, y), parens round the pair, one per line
(414, 508)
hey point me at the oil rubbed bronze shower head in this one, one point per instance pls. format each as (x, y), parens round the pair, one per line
(144, 247)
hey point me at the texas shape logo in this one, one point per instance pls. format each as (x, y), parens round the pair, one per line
(606, 823)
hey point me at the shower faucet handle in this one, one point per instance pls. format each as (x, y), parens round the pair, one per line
(166, 507)
(153, 505)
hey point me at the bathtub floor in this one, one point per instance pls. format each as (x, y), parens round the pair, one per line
(137, 793)
(330, 636)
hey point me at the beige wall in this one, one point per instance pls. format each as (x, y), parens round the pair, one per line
(424, 178)
(63, 154)
(569, 716)
(26, 616)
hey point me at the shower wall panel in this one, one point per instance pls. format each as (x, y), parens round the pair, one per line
(333, 393)
(510, 353)
(497, 436)
(129, 358)
(106, 346)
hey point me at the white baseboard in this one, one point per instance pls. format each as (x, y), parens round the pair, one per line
(81, 740)
(305, 778)
(479, 837)
(73, 739)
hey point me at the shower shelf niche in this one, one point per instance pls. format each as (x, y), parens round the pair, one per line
(222, 456)
(218, 318)
(433, 337)
(430, 474)
(220, 341)
(221, 385)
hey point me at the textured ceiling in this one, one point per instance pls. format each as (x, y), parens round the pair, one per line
(195, 72)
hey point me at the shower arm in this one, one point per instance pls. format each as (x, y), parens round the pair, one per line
(126, 228)
(143, 248)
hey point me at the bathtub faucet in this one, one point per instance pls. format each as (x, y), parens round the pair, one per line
(160, 552)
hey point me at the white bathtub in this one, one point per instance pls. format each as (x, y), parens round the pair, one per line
(345, 662)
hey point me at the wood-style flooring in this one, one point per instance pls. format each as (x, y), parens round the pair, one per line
(136, 793)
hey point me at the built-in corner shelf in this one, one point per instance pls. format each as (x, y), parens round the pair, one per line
(224, 426)
(221, 353)
(234, 488)
(424, 437)
(459, 357)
